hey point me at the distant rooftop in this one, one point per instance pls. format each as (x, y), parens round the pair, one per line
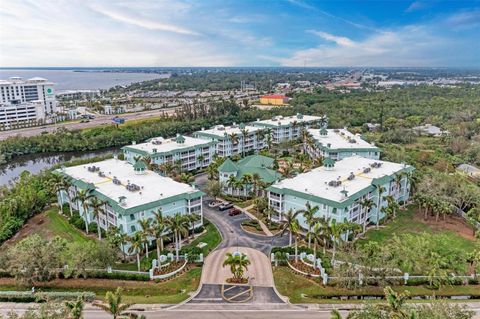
(273, 96)
(340, 139)
(354, 173)
(111, 177)
(287, 120)
(19, 80)
(163, 145)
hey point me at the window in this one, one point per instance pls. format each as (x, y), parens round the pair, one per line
(133, 229)
(132, 217)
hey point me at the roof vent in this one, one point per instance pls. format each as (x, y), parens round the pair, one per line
(132, 187)
(116, 181)
(351, 177)
(367, 170)
(101, 174)
(334, 183)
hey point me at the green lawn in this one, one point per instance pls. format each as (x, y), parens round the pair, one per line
(212, 238)
(57, 225)
(169, 292)
(405, 223)
(303, 290)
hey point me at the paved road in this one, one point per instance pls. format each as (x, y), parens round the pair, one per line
(97, 121)
(259, 271)
(233, 235)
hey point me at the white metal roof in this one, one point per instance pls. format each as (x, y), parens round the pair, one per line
(153, 187)
(340, 138)
(168, 144)
(316, 181)
(287, 120)
(220, 130)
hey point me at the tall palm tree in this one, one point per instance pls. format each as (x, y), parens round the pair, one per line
(75, 308)
(136, 246)
(380, 190)
(247, 180)
(212, 171)
(83, 196)
(366, 204)
(269, 138)
(185, 178)
(234, 138)
(177, 224)
(391, 203)
(232, 182)
(244, 139)
(113, 303)
(256, 180)
(288, 169)
(145, 232)
(64, 185)
(336, 231)
(97, 207)
(290, 219)
(309, 215)
(159, 227)
(192, 219)
(397, 179)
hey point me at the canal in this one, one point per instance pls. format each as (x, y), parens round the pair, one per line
(37, 162)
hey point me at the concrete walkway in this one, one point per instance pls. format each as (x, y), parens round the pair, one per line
(264, 227)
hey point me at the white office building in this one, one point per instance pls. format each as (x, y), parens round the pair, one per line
(20, 115)
(16, 90)
(338, 144)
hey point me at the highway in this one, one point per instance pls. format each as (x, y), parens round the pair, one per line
(97, 121)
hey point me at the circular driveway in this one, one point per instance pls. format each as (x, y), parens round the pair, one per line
(259, 271)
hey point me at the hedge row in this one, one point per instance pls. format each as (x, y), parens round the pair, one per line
(27, 296)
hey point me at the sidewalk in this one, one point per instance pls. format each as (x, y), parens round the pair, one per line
(264, 227)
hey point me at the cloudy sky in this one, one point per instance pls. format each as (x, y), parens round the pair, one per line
(239, 33)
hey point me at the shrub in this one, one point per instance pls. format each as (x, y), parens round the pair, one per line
(118, 275)
(27, 296)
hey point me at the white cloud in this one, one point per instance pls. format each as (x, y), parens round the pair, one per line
(140, 21)
(408, 46)
(342, 41)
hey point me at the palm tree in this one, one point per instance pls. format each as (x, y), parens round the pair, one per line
(83, 196)
(136, 246)
(192, 218)
(316, 233)
(288, 169)
(75, 308)
(269, 138)
(145, 232)
(238, 264)
(397, 179)
(232, 182)
(335, 314)
(256, 180)
(212, 171)
(309, 215)
(366, 204)
(380, 189)
(159, 227)
(336, 231)
(395, 306)
(234, 138)
(247, 180)
(244, 139)
(290, 219)
(185, 178)
(64, 185)
(97, 207)
(176, 224)
(113, 303)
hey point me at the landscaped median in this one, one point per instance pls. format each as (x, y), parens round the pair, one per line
(302, 289)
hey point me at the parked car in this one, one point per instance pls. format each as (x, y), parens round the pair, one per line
(234, 212)
(225, 206)
(214, 203)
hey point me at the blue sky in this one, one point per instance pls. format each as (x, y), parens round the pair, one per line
(239, 33)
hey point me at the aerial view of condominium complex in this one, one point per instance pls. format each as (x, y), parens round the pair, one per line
(286, 128)
(131, 193)
(338, 189)
(338, 144)
(191, 153)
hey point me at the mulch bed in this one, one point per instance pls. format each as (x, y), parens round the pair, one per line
(305, 268)
(174, 265)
